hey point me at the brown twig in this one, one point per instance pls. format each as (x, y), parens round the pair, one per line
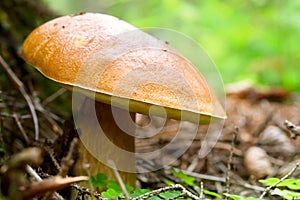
(184, 192)
(68, 161)
(193, 164)
(85, 191)
(119, 179)
(87, 168)
(53, 96)
(22, 90)
(1, 129)
(52, 156)
(263, 125)
(50, 117)
(39, 179)
(201, 190)
(17, 120)
(198, 175)
(227, 177)
(218, 179)
(292, 128)
(50, 184)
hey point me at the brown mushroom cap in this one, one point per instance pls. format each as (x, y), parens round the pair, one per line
(93, 53)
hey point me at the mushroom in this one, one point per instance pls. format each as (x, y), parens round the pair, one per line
(121, 71)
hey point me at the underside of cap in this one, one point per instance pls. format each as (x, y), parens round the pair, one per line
(108, 59)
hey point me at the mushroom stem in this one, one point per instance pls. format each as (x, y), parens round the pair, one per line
(102, 140)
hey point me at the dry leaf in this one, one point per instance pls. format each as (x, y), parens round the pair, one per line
(49, 185)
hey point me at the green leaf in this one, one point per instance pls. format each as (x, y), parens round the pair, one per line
(286, 194)
(138, 192)
(110, 193)
(114, 185)
(182, 176)
(207, 192)
(287, 182)
(293, 186)
(168, 182)
(170, 194)
(98, 180)
(269, 181)
(238, 197)
(278, 192)
(153, 198)
(290, 183)
(129, 189)
(183, 198)
(252, 198)
(297, 182)
(234, 197)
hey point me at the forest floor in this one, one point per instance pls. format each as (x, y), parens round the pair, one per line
(37, 144)
(254, 144)
(38, 138)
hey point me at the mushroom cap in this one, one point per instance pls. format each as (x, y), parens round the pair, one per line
(107, 58)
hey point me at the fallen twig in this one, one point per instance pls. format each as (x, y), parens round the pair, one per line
(54, 96)
(52, 157)
(292, 128)
(22, 90)
(264, 124)
(217, 179)
(17, 120)
(196, 175)
(87, 168)
(39, 179)
(49, 185)
(184, 192)
(201, 190)
(119, 179)
(85, 191)
(68, 161)
(227, 177)
(50, 117)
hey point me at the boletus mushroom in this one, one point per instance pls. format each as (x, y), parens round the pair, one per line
(121, 71)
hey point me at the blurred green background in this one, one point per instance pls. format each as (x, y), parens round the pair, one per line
(256, 40)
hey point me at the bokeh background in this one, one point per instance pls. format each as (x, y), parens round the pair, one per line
(254, 40)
